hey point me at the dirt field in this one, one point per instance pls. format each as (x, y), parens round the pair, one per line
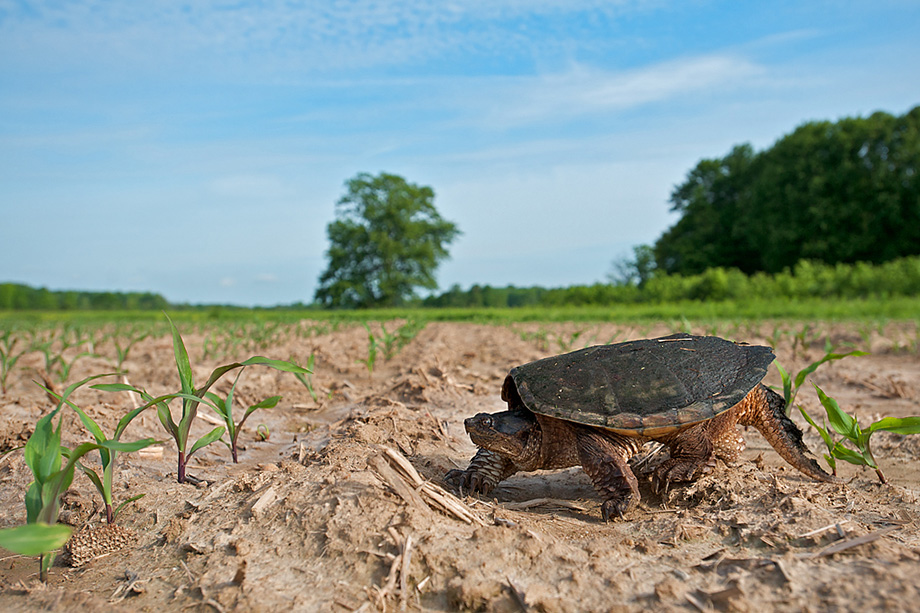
(321, 518)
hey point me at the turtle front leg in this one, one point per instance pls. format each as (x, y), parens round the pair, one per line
(486, 470)
(604, 458)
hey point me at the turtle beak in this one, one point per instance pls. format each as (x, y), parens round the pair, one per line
(482, 421)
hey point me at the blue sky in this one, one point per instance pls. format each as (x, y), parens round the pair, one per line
(197, 149)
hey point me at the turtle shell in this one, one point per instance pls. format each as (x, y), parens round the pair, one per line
(647, 387)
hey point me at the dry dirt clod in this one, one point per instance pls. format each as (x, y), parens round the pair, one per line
(94, 541)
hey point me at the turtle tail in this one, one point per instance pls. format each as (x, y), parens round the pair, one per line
(766, 412)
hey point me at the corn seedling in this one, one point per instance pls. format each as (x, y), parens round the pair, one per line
(122, 350)
(224, 408)
(774, 338)
(791, 385)
(848, 427)
(801, 339)
(565, 344)
(307, 379)
(106, 456)
(44, 456)
(372, 345)
(8, 356)
(191, 398)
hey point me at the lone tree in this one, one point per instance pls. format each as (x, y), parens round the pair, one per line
(387, 239)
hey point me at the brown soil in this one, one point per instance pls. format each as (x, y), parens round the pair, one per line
(322, 518)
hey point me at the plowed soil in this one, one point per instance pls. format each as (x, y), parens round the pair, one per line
(322, 517)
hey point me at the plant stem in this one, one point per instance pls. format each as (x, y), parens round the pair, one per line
(109, 514)
(881, 477)
(181, 470)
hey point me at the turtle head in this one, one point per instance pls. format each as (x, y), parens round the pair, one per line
(509, 433)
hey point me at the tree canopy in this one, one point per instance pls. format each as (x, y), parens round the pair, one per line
(387, 240)
(840, 192)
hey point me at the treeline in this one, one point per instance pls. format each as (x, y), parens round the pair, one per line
(807, 279)
(845, 191)
(17, 297)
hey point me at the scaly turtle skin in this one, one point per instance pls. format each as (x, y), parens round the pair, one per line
(597, 406)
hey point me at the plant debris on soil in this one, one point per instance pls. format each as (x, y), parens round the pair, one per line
(344, 507)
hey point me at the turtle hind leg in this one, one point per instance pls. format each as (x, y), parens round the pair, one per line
(692, 456)
(603, 457)
(486, 470)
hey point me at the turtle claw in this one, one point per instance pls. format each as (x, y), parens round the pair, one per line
(617, 507)
(471, 481)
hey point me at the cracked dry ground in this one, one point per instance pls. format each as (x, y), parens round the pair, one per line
(327, 515)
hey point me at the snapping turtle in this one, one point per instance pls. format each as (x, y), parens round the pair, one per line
(597, 406)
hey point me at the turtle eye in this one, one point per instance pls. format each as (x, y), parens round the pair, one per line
(487, 421)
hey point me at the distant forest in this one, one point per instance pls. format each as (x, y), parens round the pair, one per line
(842, 192)
(831, 210)
(18, 297)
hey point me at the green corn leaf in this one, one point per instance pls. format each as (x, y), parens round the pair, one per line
(845, 453)
(822, 431)
(42, 451)
(898, 425)
(787, 384)
(268, 403)
(182, 361)
(219, 404)
(126, 503)
(116, 387)
(206, 440)
(800, 377)
(35, 538)
(840, 421)
(33, 502)
(88, 421)
(94, 477)
(282, 365)
(71, 388)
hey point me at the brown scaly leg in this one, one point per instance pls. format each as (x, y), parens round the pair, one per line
(765, 410)
(604, 458)
(692, 456)
(486, 470)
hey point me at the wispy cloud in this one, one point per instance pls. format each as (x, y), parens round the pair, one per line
(585, 90)
(281, 37)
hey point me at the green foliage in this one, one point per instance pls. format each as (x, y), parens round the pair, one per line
(372, 346)
(859, 450)
(8, 355)
(123, 346)
(192, 397)
(34, 539)
(636, 270)
(791, 385)
(106, 455)
(841, 192)
(307, 379)
(224, 408)
(44, 454)
(387, 239)
(15, 296)
(806, 280)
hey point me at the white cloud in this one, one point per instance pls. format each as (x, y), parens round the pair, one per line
(584, 90)
(283, 38)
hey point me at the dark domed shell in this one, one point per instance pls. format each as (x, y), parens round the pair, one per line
(648, 386)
